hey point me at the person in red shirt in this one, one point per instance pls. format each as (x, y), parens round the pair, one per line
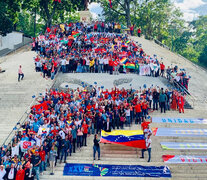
(139, 32)
(138, 111)
(145, 123)
(88, 107)
(44, 70)
(132, 30)
(111, 66)
(162, 68)
(95, 27)
(85, 132)
(42, 156)
(54, 131)
(181, 103)
(20, 173)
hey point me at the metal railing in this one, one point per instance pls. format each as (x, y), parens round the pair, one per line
(183, 88)
(25, 116)
(168, 48)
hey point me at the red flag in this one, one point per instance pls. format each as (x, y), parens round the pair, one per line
(110, 3)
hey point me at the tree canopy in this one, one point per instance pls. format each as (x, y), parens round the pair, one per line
(158, 19)
(161, 20)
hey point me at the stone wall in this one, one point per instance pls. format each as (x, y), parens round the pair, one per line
(10, 40)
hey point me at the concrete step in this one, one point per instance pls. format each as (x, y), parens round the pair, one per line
(58, 175)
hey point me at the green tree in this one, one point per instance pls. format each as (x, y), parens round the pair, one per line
(203, 56)
(48, 9)
(9, 11)
(6, 24)
(120, 10)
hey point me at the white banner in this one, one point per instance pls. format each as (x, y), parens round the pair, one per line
(179, 159)
(179, 120)
(183, 145)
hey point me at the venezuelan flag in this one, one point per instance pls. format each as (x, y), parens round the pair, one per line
(132, 138)
(130, 65)
(123, 60)
(44, 131)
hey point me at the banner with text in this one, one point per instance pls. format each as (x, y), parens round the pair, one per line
(180, 132)
(179, 159)
(72, 169)
(183, 145)
(179, 120)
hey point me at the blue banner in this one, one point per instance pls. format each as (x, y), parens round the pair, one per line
(116, 170)
(179, 120)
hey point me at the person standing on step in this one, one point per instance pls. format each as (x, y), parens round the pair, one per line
(10, 172)
(29, 173)
(162, 100)
(74, 135)
(147, 131)
(139, 32)
(96, 147)
(148, 148)
(36, 160)
(20, 73)
(138, 111)
(2, 172)
(181, 103)
(20, 173)
(52, 157)
(155, 97)
(85, 133)
(107, 125)
(64, 149)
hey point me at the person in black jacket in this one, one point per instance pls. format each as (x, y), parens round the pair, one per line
(96, 147)
(10, 173)
(155, 96)
(29, 173)
(107, 125)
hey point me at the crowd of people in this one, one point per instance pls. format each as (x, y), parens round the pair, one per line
(78, 47)
(179, 78)
(97, 48)
(60, 123)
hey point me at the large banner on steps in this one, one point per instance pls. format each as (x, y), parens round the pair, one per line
(183, 145)
(132, 138)
(72, 169)
(179, 132)
(180, 159)
(179, 120)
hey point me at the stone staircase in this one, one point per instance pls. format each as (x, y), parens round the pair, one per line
(117, 154)
(16, 97)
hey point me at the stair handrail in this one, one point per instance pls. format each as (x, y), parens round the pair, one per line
(168, 48)
(20, 122)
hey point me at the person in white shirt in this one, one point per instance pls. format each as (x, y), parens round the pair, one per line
(11, 172)
(106, 64)
(148, 148)
(127, 111)
(147, 132)
(2, 172)
(101, 61)
(63, 65)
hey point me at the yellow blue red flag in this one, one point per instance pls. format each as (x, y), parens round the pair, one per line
(132, 138)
